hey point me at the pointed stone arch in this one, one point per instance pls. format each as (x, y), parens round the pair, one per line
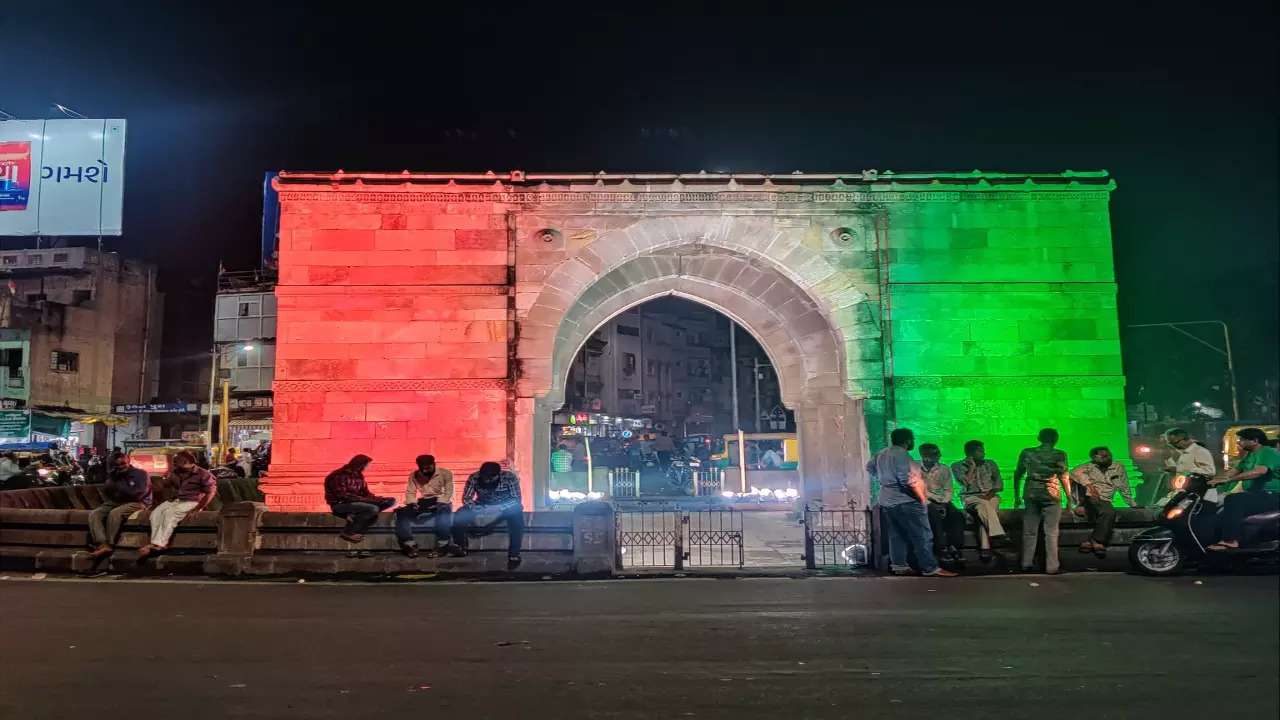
(785, 294)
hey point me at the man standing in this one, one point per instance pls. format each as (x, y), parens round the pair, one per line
(902, 504)
(666, 448)
(981, 483)
(1045, 468)
(561, 459)
(1259, 472)
(348, 496)
(491, 496)
(1190, 457)
(1102, 478)
(945, 519)
(430, 495)
(126, 491)
(190, 489)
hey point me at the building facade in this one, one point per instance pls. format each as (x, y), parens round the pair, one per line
(441, 313)
(80, 331)
(244, 339)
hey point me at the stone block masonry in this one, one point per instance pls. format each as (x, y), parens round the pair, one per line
(438, 314)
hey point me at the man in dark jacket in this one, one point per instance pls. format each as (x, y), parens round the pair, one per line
(126, 491)
(348, 496)
(491, 495)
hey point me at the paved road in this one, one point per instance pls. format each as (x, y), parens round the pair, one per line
(1088, 646)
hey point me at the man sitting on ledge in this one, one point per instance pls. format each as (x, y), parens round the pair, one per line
(191, 489)
(429, 494)
(127, 490)
(348, 496)
(490, 496)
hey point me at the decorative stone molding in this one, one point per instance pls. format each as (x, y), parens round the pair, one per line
(379, 385)
(731, 197)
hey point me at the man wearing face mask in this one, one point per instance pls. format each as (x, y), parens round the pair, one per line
(191, 489)
(491, 496)
(126, 491)
(1103, 478)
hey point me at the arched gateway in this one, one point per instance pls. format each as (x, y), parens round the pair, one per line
(427, 313)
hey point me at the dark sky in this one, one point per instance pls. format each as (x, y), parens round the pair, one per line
(1182, 109)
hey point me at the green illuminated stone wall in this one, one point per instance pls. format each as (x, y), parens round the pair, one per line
(1002, 320)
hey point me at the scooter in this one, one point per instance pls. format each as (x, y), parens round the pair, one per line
(1187, 523)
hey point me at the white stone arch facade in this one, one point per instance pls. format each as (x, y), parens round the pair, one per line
(788, 295)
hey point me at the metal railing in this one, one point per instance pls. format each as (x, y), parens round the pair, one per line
(673, 539)
(624, 483)
(708, 482)
(714, 538)
(649, 539)
(837, 538)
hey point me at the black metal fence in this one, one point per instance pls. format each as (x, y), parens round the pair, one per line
(837, 538)
(674, 539)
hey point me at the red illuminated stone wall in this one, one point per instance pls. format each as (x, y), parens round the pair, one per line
(392, 341)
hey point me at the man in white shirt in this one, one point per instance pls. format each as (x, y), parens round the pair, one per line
(429, 494)
(1190, 457)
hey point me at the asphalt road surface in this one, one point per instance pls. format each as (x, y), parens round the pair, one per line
(1082, 647)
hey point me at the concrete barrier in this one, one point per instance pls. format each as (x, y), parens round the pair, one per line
(244, 539)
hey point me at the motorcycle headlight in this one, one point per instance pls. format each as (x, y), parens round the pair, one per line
(1179, 482)
(43, 471)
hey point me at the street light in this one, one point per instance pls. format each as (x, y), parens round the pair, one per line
(214, 355)
(1226, 339)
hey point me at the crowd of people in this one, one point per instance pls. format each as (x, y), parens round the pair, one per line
(922, 520)
(490, 496)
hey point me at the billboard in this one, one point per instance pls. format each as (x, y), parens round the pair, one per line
(61, 177)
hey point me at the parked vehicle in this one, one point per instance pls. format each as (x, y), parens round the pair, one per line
(1187, 523)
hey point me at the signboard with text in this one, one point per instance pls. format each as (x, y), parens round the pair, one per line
(61, 177)
(15, 423)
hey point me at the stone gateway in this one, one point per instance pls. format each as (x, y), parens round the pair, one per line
(427, 313)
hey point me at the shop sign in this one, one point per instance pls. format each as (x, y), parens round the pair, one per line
(15, 423)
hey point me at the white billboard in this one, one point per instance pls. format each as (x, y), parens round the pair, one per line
(61, 177)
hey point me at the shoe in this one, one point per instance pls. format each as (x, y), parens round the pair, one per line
(902, 572)
(100, 551)
(513, 562)
(410, 551)
(985, 557)
(457, 551)
(350, 537)
(941, 573)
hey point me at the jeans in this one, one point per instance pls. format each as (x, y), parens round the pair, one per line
(106, 519)
(441, 515)
(1041, 508)
(1103, 517)
(1239, 506)
(908, 526)
(513, 515)
(947, 523)
(361, 514)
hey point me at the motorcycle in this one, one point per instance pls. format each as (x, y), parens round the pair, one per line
(1187, 523)
(680, 472)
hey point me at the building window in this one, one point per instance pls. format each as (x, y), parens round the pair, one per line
(629, 363)
(629, 330)
(63, 361)
(61, 257)
(650, 367)
(35, 259)
(247, 309)
(9, 260)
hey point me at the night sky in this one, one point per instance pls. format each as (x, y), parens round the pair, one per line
(1181, 109)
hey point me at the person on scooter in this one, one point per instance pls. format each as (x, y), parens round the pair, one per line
(1259, 472)
(1102, 478)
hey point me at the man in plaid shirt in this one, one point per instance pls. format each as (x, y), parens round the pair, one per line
(348, 496)
(491, 496)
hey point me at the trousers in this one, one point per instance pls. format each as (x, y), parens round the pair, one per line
(361, 514)
(988, 518)
(1042, 509)
(441, 516)
(480, 515)
(908, 526)
(1239, 506)
(165, 518)
(947, 523)
(1102, 516)
(106, 519)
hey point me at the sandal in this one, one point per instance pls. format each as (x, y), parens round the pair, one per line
(1086, 547)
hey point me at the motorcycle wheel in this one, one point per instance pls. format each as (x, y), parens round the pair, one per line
(1157, 558)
